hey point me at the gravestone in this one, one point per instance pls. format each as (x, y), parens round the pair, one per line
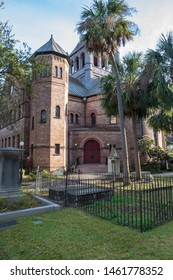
(9, 172)
(113, 162)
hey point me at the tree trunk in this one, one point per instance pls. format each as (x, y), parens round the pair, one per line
(126, 170)
(136, 152)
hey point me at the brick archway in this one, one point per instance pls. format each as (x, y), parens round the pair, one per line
(91, 152)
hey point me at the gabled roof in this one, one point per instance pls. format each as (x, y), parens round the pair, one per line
(79, 46)
(51, 47)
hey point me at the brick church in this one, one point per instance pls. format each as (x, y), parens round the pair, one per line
(63, 123)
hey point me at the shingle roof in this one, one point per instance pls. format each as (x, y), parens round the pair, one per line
(51, 47)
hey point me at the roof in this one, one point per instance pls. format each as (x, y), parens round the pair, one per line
(51, 47)
(76, 88)
(79, 46)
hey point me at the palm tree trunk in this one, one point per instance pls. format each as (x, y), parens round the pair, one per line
(126, 170)
(136, 152)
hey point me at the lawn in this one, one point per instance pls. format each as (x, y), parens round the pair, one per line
(72, 234)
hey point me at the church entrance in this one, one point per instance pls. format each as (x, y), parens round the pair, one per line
(91, 152)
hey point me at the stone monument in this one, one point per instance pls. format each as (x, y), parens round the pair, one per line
(113, 162)
(9, 172)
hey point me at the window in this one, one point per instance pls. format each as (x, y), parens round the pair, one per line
(57, 149)
(18, 141)
(47, 72)
(13, 142)
(95, 61)
(56, 71)
(42, 72)
(60, 72)
(77, 63)
(43, 116)
(93, 119)
(77, 118)
(2, 143)
(57, 112)
(9, 142)
(83, 59)
(32, 124)
(5, 142)
(71, 118)
(72, 67)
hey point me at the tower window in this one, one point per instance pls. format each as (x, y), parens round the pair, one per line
(57, 111)
(56, 71)
(43, 116)
(77, 118)
(93, 119)
(71, 118)
(57, 149)
(60, 72)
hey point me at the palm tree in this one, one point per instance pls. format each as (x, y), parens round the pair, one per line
(159, 66)
(135, 104)
(104, 27)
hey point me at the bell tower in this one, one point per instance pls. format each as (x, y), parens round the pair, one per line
(48, 137)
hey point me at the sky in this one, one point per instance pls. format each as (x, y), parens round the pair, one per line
(33, 22)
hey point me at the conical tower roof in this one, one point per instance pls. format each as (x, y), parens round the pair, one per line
(51, 47)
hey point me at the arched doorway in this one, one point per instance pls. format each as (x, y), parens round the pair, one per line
(91, 152)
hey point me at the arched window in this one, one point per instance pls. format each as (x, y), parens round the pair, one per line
(56, 71)
(43, 116)
(72, 67)
(93, 119)
(77, 63)
(83, 59)
(60, 72)
(95, 61)
(71, 118)
(47, 72)
(57, 111)
(77, 118)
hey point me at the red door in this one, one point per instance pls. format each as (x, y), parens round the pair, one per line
(92, 152)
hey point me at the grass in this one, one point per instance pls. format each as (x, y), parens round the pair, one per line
(72, 234)
(22, 202)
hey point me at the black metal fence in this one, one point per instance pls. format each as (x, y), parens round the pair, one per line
(142, 204)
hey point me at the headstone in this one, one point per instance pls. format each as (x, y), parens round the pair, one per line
(113, 162)
(9, 172)
(38, 179)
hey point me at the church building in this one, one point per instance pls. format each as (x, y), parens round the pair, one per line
(64, 123)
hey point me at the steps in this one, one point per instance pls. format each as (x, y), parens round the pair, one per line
(92, 168)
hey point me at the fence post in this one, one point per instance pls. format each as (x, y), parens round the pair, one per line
(66, 185)
(140, 207)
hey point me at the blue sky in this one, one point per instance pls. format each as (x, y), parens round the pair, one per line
(34, 21)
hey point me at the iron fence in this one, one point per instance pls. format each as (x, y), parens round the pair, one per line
(141, 204)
